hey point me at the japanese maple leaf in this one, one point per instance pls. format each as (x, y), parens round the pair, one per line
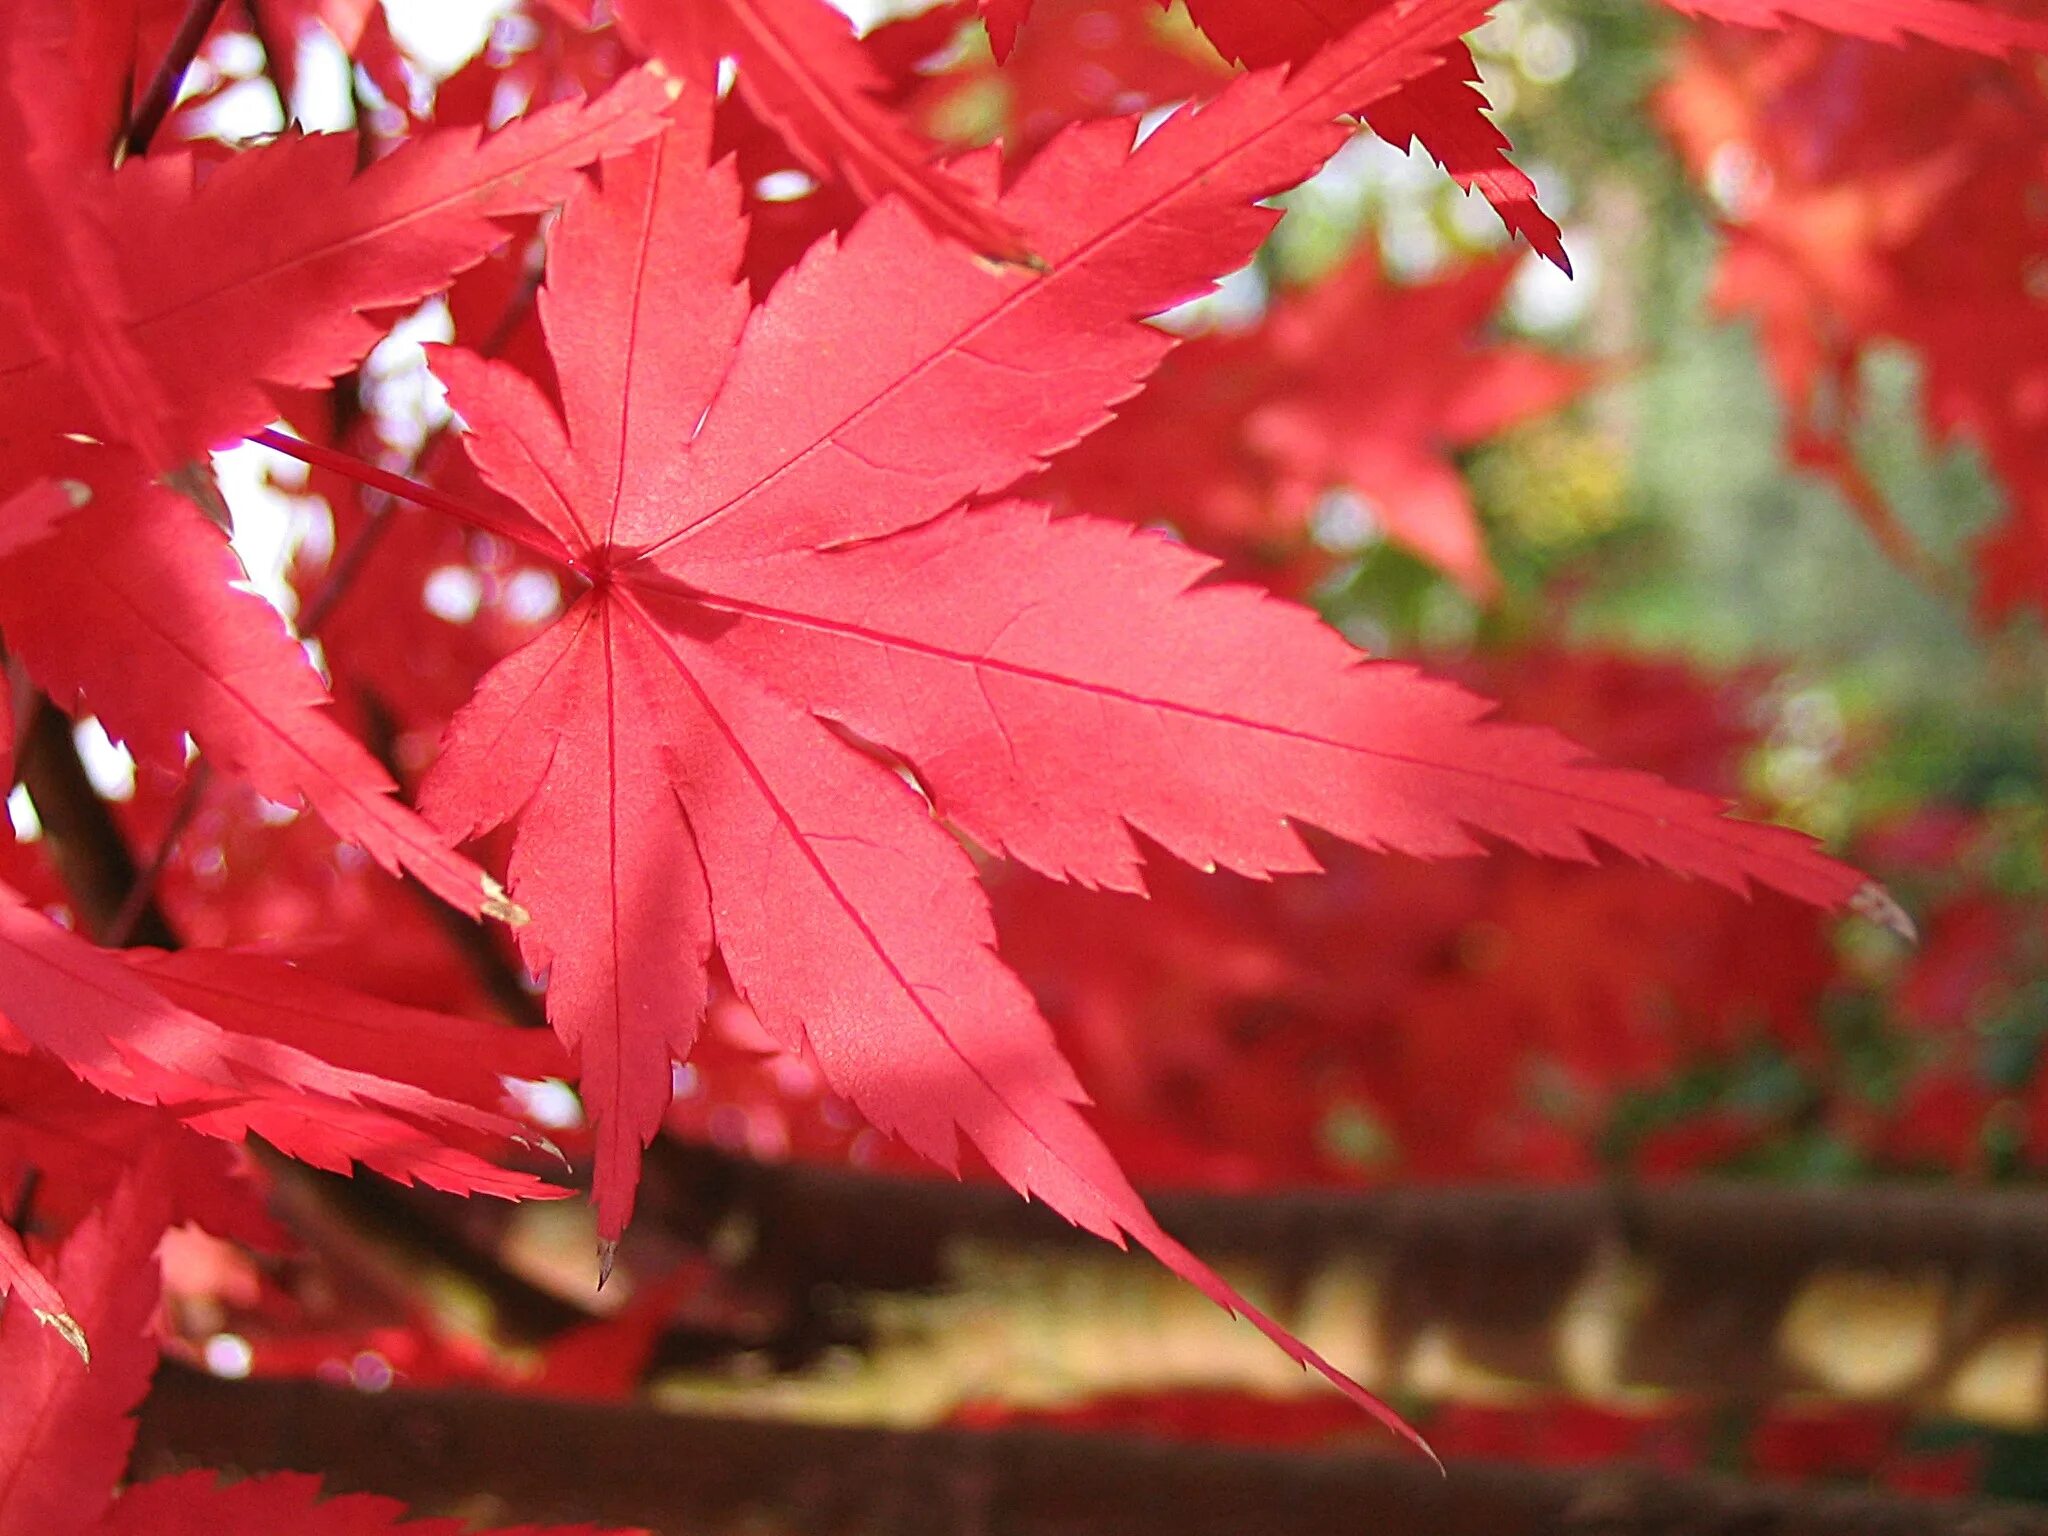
(781, 227)
(1976, 28)
(1443, 110)
(1079, 59)
(20, 1278)
(65, 1431)
(57, 264)
(1240, 435)
(1884, 199)
(783, 592)
(234, 1044)
(177, 649)
(79, 1144)
(802, 69)
(1253, 26)
(279, 252)
(1223, 1025)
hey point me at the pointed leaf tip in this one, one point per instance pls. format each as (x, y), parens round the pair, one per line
(607, 1251)
(67, 1326)
(1876, 904)
(498, 903)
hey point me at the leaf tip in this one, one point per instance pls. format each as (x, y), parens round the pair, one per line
(607, 1252)
(499, 904)
(68, 1329)
(546, 1146)
(1874, 903)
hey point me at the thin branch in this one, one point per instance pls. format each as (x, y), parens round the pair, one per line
(162, 93)
(347, 566)
(91, 855)
(136, 905)
(347, 464)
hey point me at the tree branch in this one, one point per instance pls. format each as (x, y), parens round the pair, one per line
(162, 93)
(529, 1459)
(91, 855)
(1933, 1299)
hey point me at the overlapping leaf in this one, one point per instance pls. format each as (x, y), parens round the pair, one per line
(1967, 24)
(1443, 110)
(178, 650)
(64, 1428)
(801, 68)
(65, 1431)
(279, 251)
(1241, 434)
(235, 1044)
(1877, 194)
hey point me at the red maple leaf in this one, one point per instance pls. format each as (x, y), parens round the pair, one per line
(1240, 435)
(788, 600)
(65, 1430)
(180, 650)
(1976, 28)
(1877, 193)
(281, 249)
(1079, 59)
(801, 68)
(234, 1044)
(100, 336)
(1443, 109)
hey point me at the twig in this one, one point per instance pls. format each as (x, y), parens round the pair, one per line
(91, 856)
(362, 473)
(347, 566)
(162, 93)
(121, 928)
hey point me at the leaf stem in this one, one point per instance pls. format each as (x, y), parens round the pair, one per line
(348, 465)
(347, 565)
(162, 94)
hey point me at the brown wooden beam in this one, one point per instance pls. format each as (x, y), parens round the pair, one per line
(1925, 1296)
(532, 1459)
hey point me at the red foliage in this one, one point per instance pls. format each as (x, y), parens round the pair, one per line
(1876, 194)
(722, 629)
